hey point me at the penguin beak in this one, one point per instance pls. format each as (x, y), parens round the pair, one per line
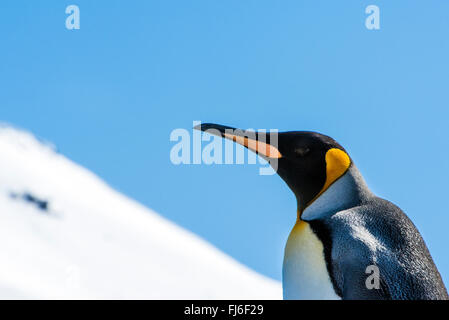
(255, 141)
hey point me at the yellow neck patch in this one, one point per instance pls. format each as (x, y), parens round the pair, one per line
(337, 162)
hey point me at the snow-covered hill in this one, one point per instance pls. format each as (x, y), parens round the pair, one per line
(65, 234)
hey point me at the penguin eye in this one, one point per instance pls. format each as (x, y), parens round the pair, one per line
(302, 151)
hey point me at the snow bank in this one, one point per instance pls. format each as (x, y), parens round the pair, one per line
(93, 242)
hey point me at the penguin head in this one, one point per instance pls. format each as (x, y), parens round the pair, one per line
(308, 162)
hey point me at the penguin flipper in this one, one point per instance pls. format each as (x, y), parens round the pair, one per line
(355, 287)
(380, 234)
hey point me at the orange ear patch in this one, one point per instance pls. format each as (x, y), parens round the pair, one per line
(337, 162)
(257, 146)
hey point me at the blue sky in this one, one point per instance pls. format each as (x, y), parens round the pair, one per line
(109, 95)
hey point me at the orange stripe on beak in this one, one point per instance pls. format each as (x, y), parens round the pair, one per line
(257, 146)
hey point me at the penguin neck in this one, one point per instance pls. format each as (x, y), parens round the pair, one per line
(348, 191)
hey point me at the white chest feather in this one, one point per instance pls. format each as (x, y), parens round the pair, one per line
(305, 274)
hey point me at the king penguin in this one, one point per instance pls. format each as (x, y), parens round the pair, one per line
(344, 234)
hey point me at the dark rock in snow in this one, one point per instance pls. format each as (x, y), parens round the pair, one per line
(41, 204)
